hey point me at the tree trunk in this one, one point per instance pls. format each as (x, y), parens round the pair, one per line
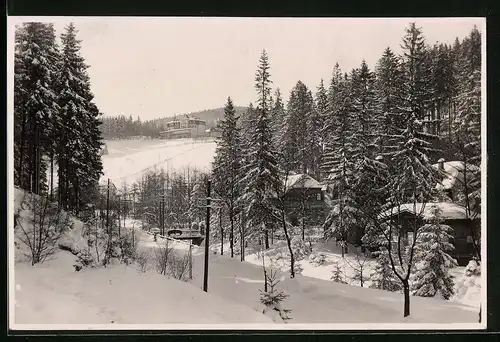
(406, 292)
(266, 238)
(289, 244)
(221, 234)
(51, 176)
(21, 152)
(242, 237)
(231, 232)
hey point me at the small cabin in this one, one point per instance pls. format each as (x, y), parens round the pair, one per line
(304, 197)
(454, 215)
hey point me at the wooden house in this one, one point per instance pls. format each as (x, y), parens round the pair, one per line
(304, 198)
(408, 216)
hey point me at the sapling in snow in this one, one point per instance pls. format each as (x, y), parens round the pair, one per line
(337, 274)
(431, 276)
(272, 297)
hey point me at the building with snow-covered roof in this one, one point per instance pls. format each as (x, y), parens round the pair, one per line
(465, 226)
(304, 198)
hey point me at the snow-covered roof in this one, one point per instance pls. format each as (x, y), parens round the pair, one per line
(453, 172)
(450, 211)
(302, 181)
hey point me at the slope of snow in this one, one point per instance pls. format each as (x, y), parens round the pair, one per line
(467, 289)
(125, 163)
(53, 293)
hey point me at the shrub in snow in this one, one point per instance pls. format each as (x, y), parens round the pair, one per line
(431, 275)
(178, 266)
(142, 260)
(128, 247)
(300, 248)
(42, 228)
(473, 268)
(337, 274)
(359, 267)
(317, 259)
(382, 276)
(161, 256)
(273, 298)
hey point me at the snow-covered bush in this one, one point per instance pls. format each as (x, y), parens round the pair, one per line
(300, 248)
(382, 276)
(161, 258)
(431, 275)
(317, 259)
(128, 247)
(473, 268)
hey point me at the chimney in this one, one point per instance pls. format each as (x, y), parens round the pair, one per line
(441, 164)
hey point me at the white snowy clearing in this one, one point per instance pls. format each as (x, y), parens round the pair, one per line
(127, 160)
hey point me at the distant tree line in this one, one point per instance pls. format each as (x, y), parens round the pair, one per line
(121, 127)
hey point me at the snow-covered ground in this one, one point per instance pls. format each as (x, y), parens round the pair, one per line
(54, 293)
(467, 289)
(314, 300)
(127, 160)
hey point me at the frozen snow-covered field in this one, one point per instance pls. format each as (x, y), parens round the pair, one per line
(127, 160)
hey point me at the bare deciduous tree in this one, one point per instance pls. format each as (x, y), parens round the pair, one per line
(42, 228)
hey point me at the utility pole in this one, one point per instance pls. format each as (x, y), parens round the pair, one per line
(207, 234)
(119, 222)
(190, 260)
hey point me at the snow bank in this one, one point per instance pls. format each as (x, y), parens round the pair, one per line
(53, 293)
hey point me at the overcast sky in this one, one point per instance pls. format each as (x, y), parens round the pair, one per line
(156, 67)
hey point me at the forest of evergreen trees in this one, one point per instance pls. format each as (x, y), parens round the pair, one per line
(371, 135)
(56, 123)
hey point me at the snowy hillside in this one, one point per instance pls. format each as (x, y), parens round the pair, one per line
(54, 293)
(127, 160)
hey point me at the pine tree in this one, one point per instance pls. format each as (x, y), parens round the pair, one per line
(35, 103)
(227, 166)
(295, 135)
(341, 157)
(80, 140)
(262, 178)
(431, 276)
(278, 117)
(388, 87)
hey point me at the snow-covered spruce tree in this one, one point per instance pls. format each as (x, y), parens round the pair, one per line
(466, 128)
(432, 259)
(196, 212)
(262, 177)
(412, 177)
(388, 85)
(321, 107)
(79, 144)
(227, 166)
(341, 158)
(295, 135)
(382, 276)
(278, 116)
(35, 103)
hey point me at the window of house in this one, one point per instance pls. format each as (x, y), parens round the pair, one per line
(318, 196)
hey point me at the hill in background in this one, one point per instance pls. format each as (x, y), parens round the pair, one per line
(209, 115)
